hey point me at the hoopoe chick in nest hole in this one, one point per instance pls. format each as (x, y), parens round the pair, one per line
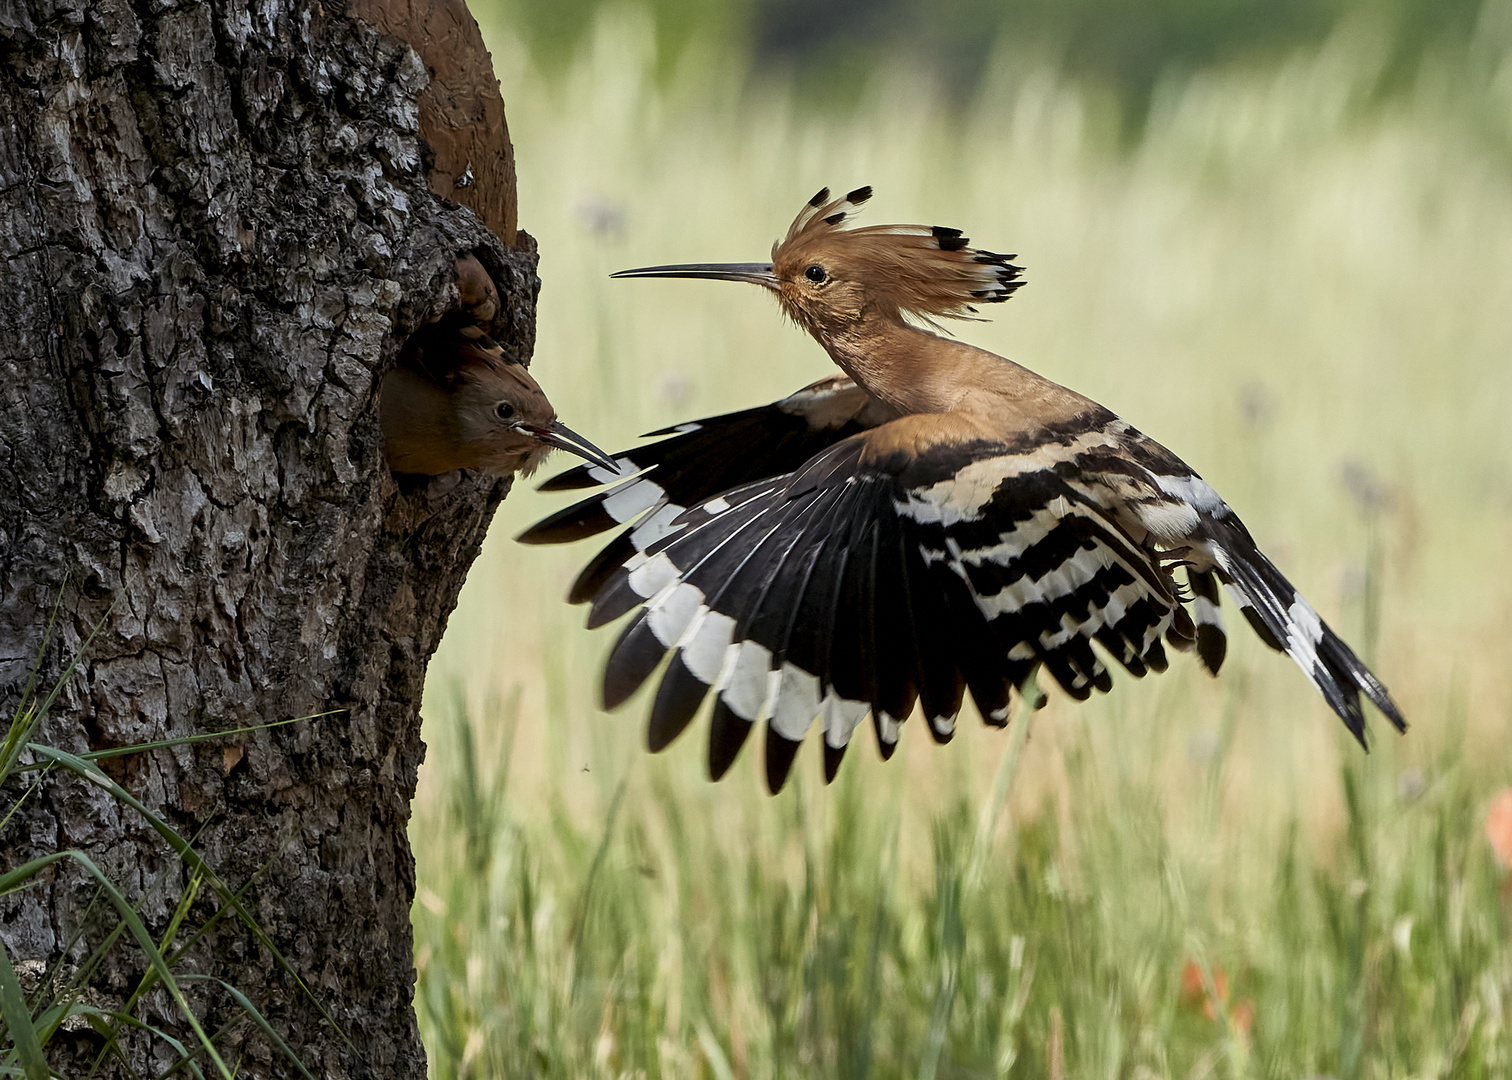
(456, 401)
(935, 520)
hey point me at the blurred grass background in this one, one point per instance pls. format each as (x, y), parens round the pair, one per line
(1278, 238)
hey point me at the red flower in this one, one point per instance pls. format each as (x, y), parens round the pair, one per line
(1499, 827)
(1194, 994)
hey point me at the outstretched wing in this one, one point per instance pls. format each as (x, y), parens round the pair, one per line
(869, 580)
(1159, 500)
(698, 461)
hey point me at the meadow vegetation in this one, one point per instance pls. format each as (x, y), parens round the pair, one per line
(1296, 285)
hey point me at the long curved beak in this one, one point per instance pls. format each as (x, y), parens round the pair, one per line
(755, 273)
(563, 437)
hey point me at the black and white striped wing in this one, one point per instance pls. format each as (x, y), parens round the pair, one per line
(864, 584)
(695, 462)
(1159, 500)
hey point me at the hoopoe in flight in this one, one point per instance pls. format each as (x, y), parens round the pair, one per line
(454, 400)
(937, 519)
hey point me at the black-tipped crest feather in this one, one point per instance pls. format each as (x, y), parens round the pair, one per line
(921, 271)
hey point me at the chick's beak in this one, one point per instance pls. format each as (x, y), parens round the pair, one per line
(563, 437)
(755, 273)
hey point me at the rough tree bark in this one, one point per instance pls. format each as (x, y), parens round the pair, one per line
(217, 225)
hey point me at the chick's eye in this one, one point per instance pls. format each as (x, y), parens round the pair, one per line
(816, 274)
(504, 410)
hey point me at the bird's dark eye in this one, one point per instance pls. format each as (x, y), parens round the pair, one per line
(816, 274)
(504, 410)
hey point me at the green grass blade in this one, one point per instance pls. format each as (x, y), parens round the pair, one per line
(31, 680)
(16, 735)
(258, 1019)
(149, 978)
(28, 713)
(10, 880)
(31, 789)
(18, 1022)
(205, 736)
(714, 1054)
(580, 916)
(105, 1022)
(992, 809)
(73, 665)
(185, 851)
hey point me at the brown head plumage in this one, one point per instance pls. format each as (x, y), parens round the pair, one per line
(826, 272)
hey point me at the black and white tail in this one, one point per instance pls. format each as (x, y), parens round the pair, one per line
(1287, 622)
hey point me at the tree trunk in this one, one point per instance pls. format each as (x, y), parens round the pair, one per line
(218, 226)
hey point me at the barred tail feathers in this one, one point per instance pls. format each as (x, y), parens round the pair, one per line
(1288, 623)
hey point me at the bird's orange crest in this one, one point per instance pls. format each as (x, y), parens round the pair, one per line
(923, 271)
